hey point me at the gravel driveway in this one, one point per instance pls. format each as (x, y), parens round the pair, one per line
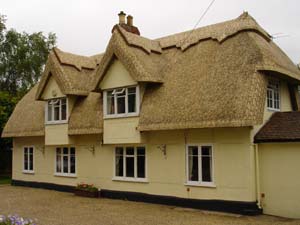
(57, 208)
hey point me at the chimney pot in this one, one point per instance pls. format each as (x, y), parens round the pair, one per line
(122, 17)
(129, 20)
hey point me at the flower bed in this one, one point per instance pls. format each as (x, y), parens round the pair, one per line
(15, 220)
(86, 190)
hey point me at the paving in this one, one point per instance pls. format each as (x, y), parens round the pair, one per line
(58, 208)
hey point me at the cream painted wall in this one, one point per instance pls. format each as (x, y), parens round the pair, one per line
(121, 130)
(57, 134)
(279, 178)
(117, 76)
(233, 164)
(52, 90)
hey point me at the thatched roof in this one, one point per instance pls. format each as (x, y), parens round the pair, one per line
(74, 74)
(86, 118)
(209, 77)
(27, 118)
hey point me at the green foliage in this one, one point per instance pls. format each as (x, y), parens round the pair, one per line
(22, 60)
(87, 187)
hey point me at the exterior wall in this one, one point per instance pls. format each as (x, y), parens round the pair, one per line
(166, 174)
(122, 130)
(279, 178)
(117, 76)
(52, 90)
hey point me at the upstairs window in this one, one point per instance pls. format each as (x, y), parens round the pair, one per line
(121, 102)
(273, 96)
(56, 110)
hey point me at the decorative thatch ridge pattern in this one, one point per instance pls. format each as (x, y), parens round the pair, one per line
(210, 77)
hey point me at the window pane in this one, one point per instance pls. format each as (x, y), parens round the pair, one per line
(72, 162)
(119, 150)
(193, 167)
(110, 103)
(64, 112)
(25, 159)
(56, 113)
(49, 112)
(66, 151)
(121, 104)
(129, 151)
(119, 166)
(58, 150)
(206, 164)
(58, 163)
(72, 151)
(129, 166)
(140, 150)
(31, 162)
(132, 99)
(65, 164)
(141, 166)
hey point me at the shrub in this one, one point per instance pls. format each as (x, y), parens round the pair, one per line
(15, 220)
(86, 187)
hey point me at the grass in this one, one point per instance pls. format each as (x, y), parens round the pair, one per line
(5, 180)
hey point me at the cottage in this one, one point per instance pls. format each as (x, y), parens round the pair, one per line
(185, 120)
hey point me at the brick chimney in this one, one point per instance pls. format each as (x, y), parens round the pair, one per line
(127, 26)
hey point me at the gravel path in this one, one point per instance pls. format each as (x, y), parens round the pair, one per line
(57, 208)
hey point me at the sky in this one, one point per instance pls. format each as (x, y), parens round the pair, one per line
(84, 26)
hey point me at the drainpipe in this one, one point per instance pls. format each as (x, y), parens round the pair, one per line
(257, 182)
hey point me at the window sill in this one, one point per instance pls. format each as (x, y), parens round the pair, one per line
(273, 110)
(65, 175)
(196, 184)
(134, 180)
(120, 116)
(56, 123)
(28, 172)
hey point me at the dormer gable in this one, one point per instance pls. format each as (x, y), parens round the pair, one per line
(52, 90)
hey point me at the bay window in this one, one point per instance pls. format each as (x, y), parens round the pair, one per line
(199, 164)
(56, 110)
(65, 161)
(130, 163)
(121, 102)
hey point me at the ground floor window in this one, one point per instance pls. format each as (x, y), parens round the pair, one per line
(65, 161)
(200, 164)
(28, 159)
(130, 163)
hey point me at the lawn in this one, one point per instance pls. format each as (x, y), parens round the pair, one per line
(5, 180)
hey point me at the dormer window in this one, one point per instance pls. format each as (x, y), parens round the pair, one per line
(121, 102)
(56, 111)
(273, 96)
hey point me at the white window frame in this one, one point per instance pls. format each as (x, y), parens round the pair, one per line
(62, 174)
(56, 121)
(126, 114)
(273, 89)
(200, 182)
(33, 161)
(130, 179)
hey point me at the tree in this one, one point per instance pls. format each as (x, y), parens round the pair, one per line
(22, 60)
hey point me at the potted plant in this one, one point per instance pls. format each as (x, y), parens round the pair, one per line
(86, 190)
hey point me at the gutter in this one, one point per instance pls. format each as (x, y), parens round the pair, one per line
(257, 175)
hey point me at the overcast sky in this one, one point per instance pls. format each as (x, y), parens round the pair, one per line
(84, 26)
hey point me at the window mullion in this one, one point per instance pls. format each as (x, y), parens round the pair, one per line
(115, 104)
(124, 163)
(126, 100)
(135, 163)
(200, 163)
